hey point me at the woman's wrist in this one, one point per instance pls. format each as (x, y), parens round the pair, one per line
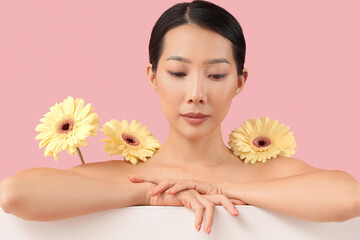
(229, 189)
(146, 188)
(130, 194)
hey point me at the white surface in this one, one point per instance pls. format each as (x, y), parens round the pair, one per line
(167, 222)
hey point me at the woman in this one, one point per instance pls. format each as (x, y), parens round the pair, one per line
(197, 54)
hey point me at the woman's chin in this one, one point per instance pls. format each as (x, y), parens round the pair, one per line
(195, 135)
(193, 132)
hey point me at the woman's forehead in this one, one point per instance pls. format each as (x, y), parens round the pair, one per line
(194, 42)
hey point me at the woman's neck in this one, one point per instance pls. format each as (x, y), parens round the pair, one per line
(180, 151)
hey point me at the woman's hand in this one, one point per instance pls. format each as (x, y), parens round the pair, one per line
(193, 200)
(172, 186)
(199, 203)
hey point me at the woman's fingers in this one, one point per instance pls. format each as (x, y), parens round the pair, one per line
(139, 179)
(162, 186)
(173, 186)
(207, 204)
(200, 204)
(136, 179)
(180, 186)
(237, 202)
(209, 212)
(220, 199)
(190, 201)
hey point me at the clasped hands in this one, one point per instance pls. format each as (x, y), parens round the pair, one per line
(196, 195)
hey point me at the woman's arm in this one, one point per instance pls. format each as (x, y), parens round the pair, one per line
(320, 195)
(46, 194)
(295, 189)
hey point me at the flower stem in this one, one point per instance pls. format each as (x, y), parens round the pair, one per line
(80, 155)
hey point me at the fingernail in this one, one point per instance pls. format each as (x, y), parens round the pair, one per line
(208, 230)
(236, 211)
(168, 191)
(151, 192)
(198, 227)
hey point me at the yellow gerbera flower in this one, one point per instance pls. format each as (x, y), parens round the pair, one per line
(262, 139)
(67, 126)
(133, 141)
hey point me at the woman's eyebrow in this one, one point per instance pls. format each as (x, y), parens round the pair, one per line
(210, 61)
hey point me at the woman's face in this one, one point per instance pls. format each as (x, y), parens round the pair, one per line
(196, 73)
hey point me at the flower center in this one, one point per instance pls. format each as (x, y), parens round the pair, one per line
(261, 142)
(66, 126)
(130, 139)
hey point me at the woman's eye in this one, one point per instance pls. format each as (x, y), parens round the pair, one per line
(217, 76)
(181, 74)
(177, 74)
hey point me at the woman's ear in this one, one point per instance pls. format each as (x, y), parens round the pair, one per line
(241, 82)
(151, 77)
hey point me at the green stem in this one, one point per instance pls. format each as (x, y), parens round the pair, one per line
(80, 155)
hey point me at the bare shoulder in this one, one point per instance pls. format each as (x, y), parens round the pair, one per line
(286, 166)
(113, 170)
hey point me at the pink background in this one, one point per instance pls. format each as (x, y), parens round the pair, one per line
(302, 57)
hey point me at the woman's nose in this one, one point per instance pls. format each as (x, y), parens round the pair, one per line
(197, 91)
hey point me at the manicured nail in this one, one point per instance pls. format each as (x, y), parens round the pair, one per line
(168, 191)
(208, 230)
(198, 227)
(236, 211)
(151, 192)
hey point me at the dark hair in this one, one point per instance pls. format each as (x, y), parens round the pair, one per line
(204, 14)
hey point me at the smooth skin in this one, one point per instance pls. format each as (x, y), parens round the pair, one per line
(185, 82)
(191, 153)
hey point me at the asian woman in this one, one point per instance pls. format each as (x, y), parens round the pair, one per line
(197, 56)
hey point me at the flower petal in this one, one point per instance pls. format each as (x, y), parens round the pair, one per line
(85, 124)
(147, 146)
(281, 141)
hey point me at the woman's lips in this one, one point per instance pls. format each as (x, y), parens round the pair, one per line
(195, 118)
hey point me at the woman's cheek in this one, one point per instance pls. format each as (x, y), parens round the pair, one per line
(168, 104)
(223, 105)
